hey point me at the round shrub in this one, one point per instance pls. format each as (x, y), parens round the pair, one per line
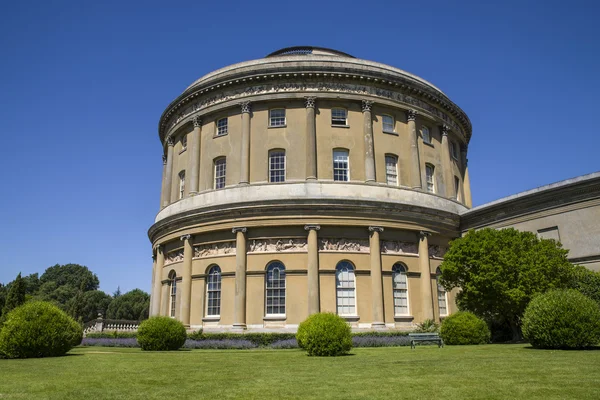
(562, 319)
(324, 334)
(160, 334)
(464, 328)
(38, 329)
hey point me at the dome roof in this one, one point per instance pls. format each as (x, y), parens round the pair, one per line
(302, 50)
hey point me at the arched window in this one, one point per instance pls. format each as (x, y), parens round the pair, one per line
(275, 289)
(391, 169)
(345, 288)
(341, 165)
(442, 299)
(400, 288)
(213, 292)
(181, 184)
(173, 285)
(220, 172)
(429, 178)
(277, 166)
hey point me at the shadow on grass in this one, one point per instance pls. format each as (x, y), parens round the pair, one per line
(589, 348)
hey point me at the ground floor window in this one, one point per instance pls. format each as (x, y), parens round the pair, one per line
(345, 288)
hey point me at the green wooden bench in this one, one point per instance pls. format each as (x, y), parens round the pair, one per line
(425, 337)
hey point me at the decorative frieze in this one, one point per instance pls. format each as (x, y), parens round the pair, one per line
(174, 256)
(437, 251)
(277, 245)
(214, 249)
(398, 247)
(341, 244)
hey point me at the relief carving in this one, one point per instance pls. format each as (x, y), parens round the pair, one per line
(437, 251)
(214, 249)
(276, 245)
(397, 247)
(333, 244)
(174, 256)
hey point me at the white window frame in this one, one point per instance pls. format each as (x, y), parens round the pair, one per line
(336, 120)
(346, 287)
(426, 134)
(213, 292)
(274, 289)
(400, 293)
(383, 124)
(220, 174)
(277, 165)
(173, 294)
(181, 184)
(222, 126)
(430, 177)
(337, 158)
(277, 121)
(388, 175)
(457, 188)
(454, 150)
(441, 295)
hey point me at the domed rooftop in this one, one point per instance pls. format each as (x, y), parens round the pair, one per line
(308, 50)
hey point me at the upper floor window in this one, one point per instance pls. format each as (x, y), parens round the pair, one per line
(388, 123)
(391, 169)
(222, 127)
(277, 117)
(275, 289)
(277, 166)
(181, 184)
(429, 178)
(173, 287)
(454, 150)
(184, 143)
(341, 170)
(339, 116)
(345, 288)
(213, 291)
(426, 135)
(442, 299)
(400, 288)
(456, 188)
(220, 170)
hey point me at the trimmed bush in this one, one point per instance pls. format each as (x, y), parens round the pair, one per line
(161, 334)
(562, 319)
(464, 328)
(111, 335)
(38, 329)
(324, 334)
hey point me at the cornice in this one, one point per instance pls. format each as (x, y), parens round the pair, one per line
(408, 91)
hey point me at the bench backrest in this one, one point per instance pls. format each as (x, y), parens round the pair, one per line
(424, 336)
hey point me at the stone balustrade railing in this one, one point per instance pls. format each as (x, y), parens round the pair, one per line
(110, 325)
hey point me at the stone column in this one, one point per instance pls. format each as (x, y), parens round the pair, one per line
(162, 182)
(368, 138)
(156, 288)
(239, 311)
(168, 172)
(313, 269)
(195, 156)
(415, 163)
(245, 156)
(311, 139)
(152, 295)
(426, 293)
(165, 298)
(186, 281)
(447, 164)
(376, 280)
(466, 182)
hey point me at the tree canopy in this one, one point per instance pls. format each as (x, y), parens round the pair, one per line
(499, 271)
(15, 296)
(133, 305)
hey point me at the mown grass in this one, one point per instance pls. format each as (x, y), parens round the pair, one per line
(453, 372)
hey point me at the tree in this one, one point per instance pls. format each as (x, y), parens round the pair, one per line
(15, 296)
(71, 274)
(133, 305)
(587, 282)
(91, 302)
(499, 271)
(3, 292)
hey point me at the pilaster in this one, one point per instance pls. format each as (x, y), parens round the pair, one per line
(186, 281)
(368, 139)
(245, 156)
(311, 139)
(415, 164)
(376, 280)
(425, 269)
(239, 312)
(313, 269)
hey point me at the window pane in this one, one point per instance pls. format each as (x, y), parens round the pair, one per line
(345, 289)
(277, 166)
(338, 116)
(222, 126)
(213, 291)
(391, 170)
(275, 289)
(388, 123)
(277, 117)
(340, 165)
(429, 178)
(220, 169)
(426, 135)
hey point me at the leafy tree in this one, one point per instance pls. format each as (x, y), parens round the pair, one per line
(133, 305)
(91, 303)
(499, 271)
(117, 292)
(71, 274)
(587, 282)
(3, 292)
(32, 284)
(15, 297)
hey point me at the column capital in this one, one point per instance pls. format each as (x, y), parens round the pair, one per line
(444, 129)
(312, 227)
(153, 256)
(411, 115)
(245, 105)
(424, 234)
(170, 141)
(164, 159)
(159, 247)
(375, 229)
(366, 105)
(239, 229)
(309, 102)
(185, 237)
(197, 121)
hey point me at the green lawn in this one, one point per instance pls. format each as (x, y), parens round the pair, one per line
(454, 372)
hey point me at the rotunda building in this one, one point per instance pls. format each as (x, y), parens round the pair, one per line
(307, 181)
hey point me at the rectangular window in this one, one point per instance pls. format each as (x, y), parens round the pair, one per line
(220, 170)
(391, 170)
(339, 117)
(173, 297)
(277, 166)
(429, 178)
(184, 143)
(454, 150)
(340, 166)
(346, 299)
(549, 233)
(181, 184)
(213, 291)
(426, 135)
(277, 117)
(456, 188)
(222, 127)
(275, 290)
(442, 303)
(388, 123)
(400, 293)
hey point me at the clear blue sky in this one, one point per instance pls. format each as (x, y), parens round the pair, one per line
(83, 84)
